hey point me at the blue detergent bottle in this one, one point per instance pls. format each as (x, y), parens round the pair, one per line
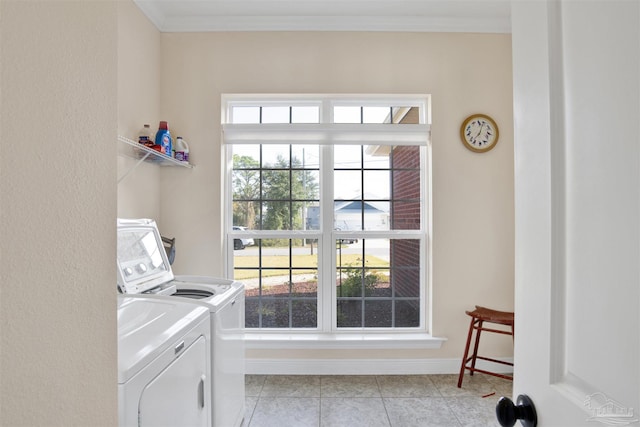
(163, 138)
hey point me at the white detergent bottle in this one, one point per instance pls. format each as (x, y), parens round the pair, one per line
(182, 150)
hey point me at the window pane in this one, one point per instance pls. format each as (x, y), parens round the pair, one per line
(306, 156)
(245, 115)
(346, 114)
(376, 114)
(407, 314)
(376, 215)
(349, 313)
(275, 114)
(305, 114)
(283, 215)
(376, 253)
(377, 185)
(274, 313)
(347, 157)
(274, 283)
(313, 216)
(304, 284)
(246, 214)
(376, 156)
(275, 156)
(246, 183)
(305, 185)
(406, 281)
(304, 313)
(378, 314)
(245, 264)
(297, 215)
(251, 311)
(406, 157)
(347, 216)
(276, 185)
(246, 156)
(405, 267)
(350, 281)
(405, 215)
(276, 216)
(406, 115)
(304, 260)
(347, 185)
(406, 184)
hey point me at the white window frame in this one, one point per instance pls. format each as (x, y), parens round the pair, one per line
(327, 335)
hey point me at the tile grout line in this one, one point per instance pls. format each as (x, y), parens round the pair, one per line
(386, 411)
(320, 403)
(258, 398)
(448, 403)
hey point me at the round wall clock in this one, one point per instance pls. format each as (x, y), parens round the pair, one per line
(479, 133)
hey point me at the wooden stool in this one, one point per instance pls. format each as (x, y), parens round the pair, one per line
(478, 317)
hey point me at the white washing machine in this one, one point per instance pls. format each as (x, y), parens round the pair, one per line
(144, 272)
(163, 363)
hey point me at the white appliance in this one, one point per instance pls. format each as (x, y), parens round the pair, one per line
(163, 363)
(144, 271)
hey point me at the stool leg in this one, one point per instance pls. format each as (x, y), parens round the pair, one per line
(466, 353)
(475, 347)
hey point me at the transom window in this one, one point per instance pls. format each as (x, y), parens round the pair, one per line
(327, 212)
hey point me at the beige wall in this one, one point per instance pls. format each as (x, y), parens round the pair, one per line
(473, 216)
(139, 70)
(58, 346)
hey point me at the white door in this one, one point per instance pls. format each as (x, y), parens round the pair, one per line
(577, 161)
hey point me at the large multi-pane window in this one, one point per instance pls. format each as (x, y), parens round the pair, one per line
(328, 214)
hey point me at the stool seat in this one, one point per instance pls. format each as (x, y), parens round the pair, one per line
(493, 316)
(478, 317)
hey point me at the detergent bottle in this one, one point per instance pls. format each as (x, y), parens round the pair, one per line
(163, 138)
(182, 150)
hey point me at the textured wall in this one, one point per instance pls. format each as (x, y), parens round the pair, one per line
(139, 69)
(57, 214)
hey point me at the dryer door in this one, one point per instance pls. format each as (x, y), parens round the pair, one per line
(179, 395)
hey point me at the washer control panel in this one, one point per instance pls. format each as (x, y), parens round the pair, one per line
(142, 261)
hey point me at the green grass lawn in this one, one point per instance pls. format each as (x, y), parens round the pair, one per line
(304, 264)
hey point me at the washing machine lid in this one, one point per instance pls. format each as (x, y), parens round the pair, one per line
(142, 261)
(147, 327)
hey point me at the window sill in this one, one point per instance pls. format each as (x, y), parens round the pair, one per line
(314, 341)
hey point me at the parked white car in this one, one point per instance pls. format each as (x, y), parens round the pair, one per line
(241, 243)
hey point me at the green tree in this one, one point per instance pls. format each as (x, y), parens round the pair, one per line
(286, 191)
(246, 189)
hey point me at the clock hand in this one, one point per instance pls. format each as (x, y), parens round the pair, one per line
(480, 131)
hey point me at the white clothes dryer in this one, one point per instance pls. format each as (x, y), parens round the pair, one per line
(144, 271)
(163, 363)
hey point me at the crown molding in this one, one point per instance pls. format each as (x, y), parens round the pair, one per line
(454, 17)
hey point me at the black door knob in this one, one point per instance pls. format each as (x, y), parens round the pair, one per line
(508, 413)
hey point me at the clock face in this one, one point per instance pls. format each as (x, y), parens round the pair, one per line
(479, 133)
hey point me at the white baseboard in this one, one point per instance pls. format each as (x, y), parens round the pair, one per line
(365, 366)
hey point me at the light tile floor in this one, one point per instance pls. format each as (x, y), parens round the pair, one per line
(371, 401)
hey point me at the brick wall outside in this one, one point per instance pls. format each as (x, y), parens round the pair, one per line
(405, 215)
